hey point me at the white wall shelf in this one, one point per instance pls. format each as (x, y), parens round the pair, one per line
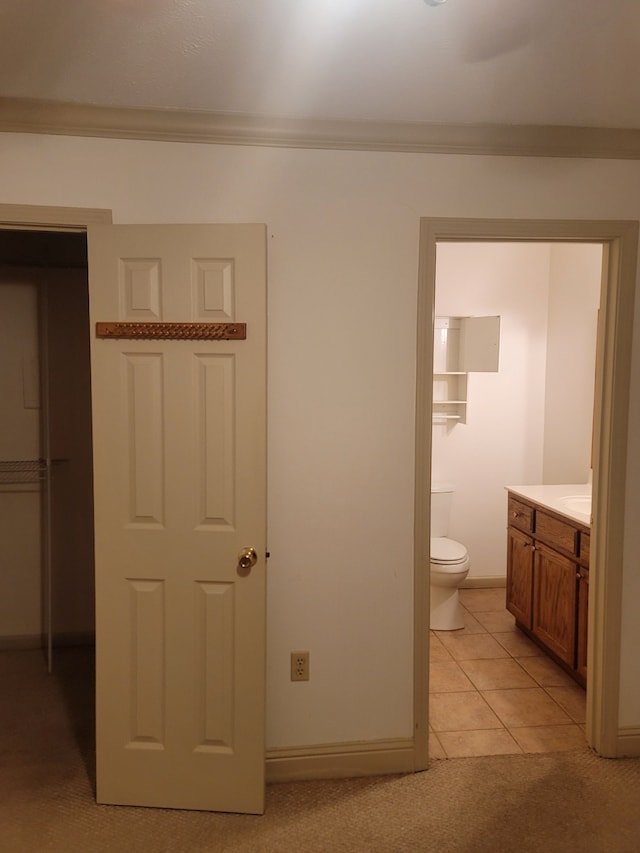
(461, 345)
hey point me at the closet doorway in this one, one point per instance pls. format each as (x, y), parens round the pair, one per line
(46, 487)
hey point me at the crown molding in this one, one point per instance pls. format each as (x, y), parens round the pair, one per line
(22, 115)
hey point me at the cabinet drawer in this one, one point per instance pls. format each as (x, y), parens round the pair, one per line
(520, 514)
(585, 545)
(553, 531)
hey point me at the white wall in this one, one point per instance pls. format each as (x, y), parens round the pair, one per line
(574, 297)
(532, 421)
(343, 260)
(502, 439)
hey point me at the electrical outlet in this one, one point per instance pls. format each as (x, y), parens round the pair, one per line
(299, 666)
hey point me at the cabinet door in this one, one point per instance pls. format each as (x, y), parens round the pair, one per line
(583, 606)
(479, 344)
(554, 602)
(520, 575)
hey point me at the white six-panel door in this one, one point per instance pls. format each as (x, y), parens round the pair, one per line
(179, 442)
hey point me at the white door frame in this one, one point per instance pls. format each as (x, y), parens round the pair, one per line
(27, 217)
(611, 406)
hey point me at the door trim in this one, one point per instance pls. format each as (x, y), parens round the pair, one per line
(28, 217)
(611, 407)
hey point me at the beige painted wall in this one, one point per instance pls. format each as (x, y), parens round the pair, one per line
(20, 575)
(68, 360)
(343, 261)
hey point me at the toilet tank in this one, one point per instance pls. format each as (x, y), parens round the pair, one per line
(441, 497)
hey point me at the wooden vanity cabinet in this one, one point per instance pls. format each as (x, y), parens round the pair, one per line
(520, 553)
(554, 602)
(583, 607)
(520, 576)
(547, 581)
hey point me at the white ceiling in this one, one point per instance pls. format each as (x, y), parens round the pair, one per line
(547, 62)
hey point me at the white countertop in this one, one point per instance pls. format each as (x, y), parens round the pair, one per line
(551, 497)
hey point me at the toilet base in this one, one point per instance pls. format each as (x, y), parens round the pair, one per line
(445, 610)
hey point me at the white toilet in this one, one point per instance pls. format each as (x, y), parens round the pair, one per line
(449, 563)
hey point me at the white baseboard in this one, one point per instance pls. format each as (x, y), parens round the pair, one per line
(21, 641)
(341, 760)
(485, 582)
(628, 743)
(39, 641)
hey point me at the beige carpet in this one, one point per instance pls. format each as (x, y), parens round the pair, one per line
(569, 801)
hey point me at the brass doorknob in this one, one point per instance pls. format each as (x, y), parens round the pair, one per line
(247, 558)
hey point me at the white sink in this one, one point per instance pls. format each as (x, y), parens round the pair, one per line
(577, 503)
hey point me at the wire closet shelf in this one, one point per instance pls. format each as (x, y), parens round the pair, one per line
(23, 471)
(19, 472)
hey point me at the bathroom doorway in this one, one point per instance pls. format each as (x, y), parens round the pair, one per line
(619, 244)
(525, 417)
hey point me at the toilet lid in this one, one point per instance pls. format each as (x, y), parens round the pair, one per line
(444, 550)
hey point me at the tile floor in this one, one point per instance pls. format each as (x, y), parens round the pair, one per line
(493, 691)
